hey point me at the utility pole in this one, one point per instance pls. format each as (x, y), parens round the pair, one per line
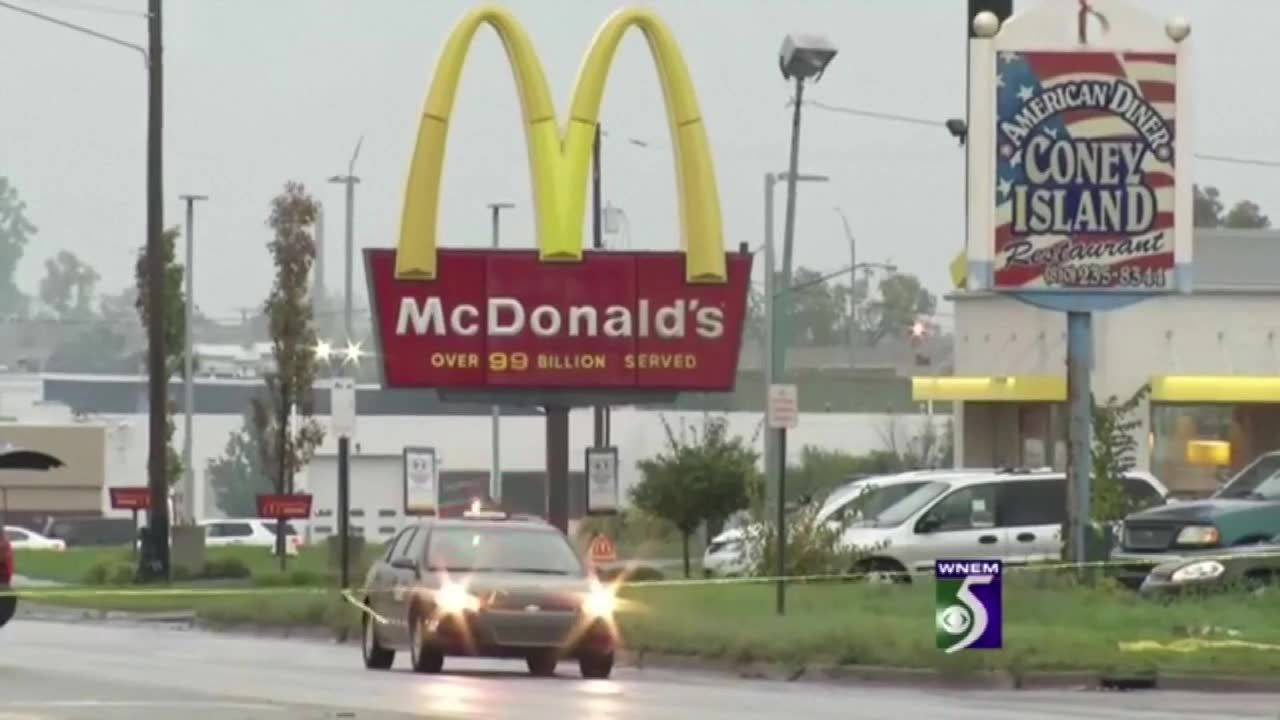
(188, 366)
(350, 181)
(319, 302)
(155, 564)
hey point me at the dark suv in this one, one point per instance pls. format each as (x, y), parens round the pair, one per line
(1245, 511)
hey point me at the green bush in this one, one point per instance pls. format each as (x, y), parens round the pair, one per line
(227, 568)
(295, 578)
(122, 575)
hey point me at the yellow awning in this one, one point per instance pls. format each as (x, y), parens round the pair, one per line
(1216, 389)
(959, 269)
(1013, 388)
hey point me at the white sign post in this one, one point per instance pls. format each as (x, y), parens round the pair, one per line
(421, 481)
(342, 407)
(602, 481)
(784, 411)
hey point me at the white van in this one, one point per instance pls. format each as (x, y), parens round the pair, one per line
(1013, 515)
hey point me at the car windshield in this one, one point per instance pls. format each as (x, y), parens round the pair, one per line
(866, 501)
(1260, 481)
(501, 549)
(901, 511)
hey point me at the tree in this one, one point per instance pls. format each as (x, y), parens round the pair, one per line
(97, 349)
(238, 475)
(702, 477)
(15, 232)
(174, 325)
(819, 310)
(903, 300)
(1209, 211)
(68, 286)
(821, 471)
(1114, 453)
(284, 449)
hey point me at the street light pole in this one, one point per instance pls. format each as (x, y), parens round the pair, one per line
(801, 58)
(350, 181)
(495, 472)
(775, 358)
(188, 365)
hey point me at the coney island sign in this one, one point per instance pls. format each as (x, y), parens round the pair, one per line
(561, 317)
(1085, 159)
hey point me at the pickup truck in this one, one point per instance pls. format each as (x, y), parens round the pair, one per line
(8, 603)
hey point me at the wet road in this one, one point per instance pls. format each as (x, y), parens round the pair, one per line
(84, 670)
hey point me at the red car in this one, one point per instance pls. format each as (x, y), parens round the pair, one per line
(8, 603)
(12, 458)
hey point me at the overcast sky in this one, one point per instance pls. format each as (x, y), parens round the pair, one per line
(260, 92)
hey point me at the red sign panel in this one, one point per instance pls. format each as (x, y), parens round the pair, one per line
(602, 550)
(130, 498)
(284, 507)
(614, 321)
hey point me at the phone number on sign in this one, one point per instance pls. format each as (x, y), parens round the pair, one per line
(1103, 276)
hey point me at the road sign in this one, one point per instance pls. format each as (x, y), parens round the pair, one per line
(602, 550)
(421, 481)
(784, 409)
(602, 480)
(342, 407)
(284, 507)
(130, 498)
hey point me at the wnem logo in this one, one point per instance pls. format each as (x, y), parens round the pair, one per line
(968, 612)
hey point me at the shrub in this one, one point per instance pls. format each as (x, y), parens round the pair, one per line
(813, 548)
(227, 568)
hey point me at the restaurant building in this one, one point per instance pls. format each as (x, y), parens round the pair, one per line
(1211, 358)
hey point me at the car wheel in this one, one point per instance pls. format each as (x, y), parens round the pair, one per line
(8, 606)
(542, 663)
(596, 666)
(880, 572)
(423, 658)
(376, 657)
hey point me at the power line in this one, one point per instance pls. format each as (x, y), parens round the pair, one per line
(930, 122)
(80, 5)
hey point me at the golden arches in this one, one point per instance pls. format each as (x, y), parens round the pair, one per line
(559, 163)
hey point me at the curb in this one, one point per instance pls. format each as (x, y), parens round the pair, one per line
(840, 675)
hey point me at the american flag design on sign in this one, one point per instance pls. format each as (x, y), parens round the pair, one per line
(1084, 171)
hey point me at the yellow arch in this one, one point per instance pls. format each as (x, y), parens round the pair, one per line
(559, 163)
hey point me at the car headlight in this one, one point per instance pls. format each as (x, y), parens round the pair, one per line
(1198, 535)
(1200, 570)
(599, 603)
(454, 599)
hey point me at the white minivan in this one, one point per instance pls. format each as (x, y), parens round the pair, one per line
(1011, 515)
(850, 504)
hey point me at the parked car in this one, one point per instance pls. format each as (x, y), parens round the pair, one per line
(1015, 516)
(487, 585)
(1241, 566)
(1245, 511)
(24, 539)
(8, 603)
(251, 532)
(857, 501)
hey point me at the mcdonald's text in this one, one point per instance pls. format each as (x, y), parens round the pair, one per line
(613, 320)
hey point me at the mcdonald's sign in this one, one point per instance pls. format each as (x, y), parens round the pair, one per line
(561, 317)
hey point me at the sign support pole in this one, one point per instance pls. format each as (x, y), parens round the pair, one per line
(782, 521)
(1079, 431)
(558, 466)
(344, 511)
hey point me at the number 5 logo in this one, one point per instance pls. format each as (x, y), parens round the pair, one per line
(970, 614)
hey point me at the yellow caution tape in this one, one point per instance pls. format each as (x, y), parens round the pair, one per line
(1189, 645)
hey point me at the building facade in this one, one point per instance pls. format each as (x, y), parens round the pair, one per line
(1211, 359)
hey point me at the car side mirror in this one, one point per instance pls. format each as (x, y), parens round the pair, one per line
(404, 563)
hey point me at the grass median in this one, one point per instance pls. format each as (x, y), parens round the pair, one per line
(1049, 624)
